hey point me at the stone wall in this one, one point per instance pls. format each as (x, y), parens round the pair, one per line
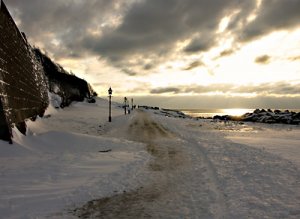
(23, 87)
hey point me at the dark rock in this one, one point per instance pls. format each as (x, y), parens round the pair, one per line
(270, 120)
(295, 122)
(247, 114)
(91, 100)
(217, 117)
(223, 118)
(296, 116)
(251, 117)
(105, 151)
(265, 116)
(277, 111)
(21, 126)
(33, 118)
(257, 111)
(149, 107)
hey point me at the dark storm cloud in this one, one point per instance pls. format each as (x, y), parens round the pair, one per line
(201, 89)
(147, 29)
(148, 66)
(264, 59)
(193, 65)
(279, 88)
(226, 52)
(201, 43)
(273, 15)
(129, 72)
(266, 89)
(155, 26)
(67, 21)
(165, 90)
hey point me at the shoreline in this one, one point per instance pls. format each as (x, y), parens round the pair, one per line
(265, 116)
(270, 116)
(225, 111)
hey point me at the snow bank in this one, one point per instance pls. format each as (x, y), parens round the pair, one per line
(63, 162)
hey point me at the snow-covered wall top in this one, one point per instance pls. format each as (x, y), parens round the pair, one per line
(68, 86)
(23, 87)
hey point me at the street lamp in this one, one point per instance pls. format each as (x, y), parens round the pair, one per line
(109, 95)
(125, 104)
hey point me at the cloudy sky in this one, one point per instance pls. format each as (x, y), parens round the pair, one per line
(174, 53)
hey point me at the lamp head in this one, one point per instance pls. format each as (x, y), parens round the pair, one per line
(110, 91)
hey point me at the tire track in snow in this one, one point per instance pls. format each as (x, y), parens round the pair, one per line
(220, 208)
(141, 203)
(183, 184)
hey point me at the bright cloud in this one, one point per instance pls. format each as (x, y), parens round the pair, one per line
(172, 47)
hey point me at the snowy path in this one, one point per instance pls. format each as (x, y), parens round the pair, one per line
(183, 182)
(191, 177)
(155, 167)
(197, 173)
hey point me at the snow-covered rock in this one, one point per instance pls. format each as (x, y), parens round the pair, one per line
(265, 116)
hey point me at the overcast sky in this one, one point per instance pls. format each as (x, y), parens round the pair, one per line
(174, 53)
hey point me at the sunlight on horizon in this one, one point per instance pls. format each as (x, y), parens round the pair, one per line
(236, 111)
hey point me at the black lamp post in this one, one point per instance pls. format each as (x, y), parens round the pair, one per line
(109, 95)
(125, 104)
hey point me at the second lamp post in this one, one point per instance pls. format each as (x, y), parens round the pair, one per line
(109, 95)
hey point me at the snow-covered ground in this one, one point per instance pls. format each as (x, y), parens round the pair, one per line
(283, 140)
(61, 163)
(75, 164)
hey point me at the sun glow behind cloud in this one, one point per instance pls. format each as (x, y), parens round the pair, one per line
(187, 48)
(238, 68)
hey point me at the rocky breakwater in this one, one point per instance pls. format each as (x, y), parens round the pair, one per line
(265, 116)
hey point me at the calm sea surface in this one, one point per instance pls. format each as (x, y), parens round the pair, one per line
(212, 112)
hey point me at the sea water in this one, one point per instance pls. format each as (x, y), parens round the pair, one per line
(207, 113)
